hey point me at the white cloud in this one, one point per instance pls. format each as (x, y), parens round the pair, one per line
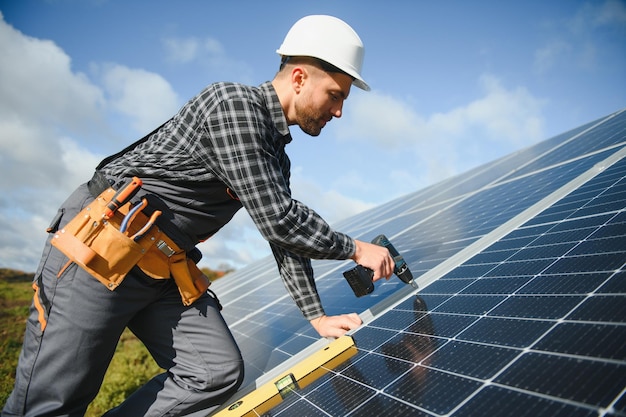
(209, 55)
(504, 115)
(78, 161)
(446, 143)
(42, 99)
(27, 155)
(44, 107)
(42, 102)
(236, 245)
(511, 116)
(186, 50)
(329, 203)
(407, 179)
(501, 121)
(379, 118)
(549, 55)
(611, 13)
(181, 50)
(147, 98)
(578, 39)
(38, 83)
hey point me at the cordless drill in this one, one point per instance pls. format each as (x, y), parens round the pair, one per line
(360, 277)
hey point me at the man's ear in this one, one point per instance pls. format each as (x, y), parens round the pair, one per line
(298, 77)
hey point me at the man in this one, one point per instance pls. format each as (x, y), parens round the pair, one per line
(222, 151)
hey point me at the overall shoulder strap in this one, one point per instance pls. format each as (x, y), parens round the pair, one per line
(128, 148)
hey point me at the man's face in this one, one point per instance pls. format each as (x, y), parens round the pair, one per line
(321, 99)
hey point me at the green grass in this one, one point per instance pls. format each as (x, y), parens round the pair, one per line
(131, 367)
(14, 300)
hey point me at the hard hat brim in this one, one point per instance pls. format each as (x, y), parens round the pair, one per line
(361, 84)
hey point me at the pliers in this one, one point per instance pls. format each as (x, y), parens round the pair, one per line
(146, 226)
(131, 215)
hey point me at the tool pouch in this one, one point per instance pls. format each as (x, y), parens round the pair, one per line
(95, 243)
(165, 258)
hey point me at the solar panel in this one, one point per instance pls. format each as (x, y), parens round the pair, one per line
(522, 302)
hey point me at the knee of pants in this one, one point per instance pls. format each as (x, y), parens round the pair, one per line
(235, 376)
(225, 378)
(230, 376)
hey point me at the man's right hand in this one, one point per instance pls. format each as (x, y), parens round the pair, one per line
(336, 326)
(374, 257)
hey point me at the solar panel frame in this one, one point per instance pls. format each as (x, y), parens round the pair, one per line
(511, 295)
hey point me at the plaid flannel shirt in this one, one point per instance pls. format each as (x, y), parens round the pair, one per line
(235, 135)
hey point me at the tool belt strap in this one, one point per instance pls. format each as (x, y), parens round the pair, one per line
(165, 259)
(95, 243)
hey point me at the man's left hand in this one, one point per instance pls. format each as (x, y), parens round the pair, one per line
(336, 326)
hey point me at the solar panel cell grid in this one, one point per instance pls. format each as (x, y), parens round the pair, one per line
(560, 376)
(506, 332)
(573, 283)
(531, 324)
(494, 400)
(595, 340)
(447, 325)
(537, 306)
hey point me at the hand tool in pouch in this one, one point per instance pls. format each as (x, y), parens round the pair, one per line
(132, 214)
(141, 232)
(123, 196)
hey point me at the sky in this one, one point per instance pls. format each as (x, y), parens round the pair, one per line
(455, 84)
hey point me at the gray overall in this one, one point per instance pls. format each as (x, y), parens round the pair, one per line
(84, 321)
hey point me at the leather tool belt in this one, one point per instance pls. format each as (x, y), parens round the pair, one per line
(93, 241)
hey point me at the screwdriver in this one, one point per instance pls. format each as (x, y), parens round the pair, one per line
(122, 196)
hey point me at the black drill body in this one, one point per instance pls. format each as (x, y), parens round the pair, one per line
(360, 277)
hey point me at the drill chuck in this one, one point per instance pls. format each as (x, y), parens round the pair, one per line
(401, 269)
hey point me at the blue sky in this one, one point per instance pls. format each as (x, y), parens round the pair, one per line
(454, 84)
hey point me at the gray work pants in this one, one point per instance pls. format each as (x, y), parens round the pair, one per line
(61, 369)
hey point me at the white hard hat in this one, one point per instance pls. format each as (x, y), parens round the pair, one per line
(329, 39)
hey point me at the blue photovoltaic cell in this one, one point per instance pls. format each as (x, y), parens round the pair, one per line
(607, 341)
(506, 331)
(496, 401)
(530, 323)
(472, 359)
(584, 381)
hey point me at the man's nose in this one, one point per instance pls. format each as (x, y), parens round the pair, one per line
(337, 111)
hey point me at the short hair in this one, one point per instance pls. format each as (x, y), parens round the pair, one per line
(320, 63)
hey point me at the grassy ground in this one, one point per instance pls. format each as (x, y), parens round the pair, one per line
(131, 367)
(15, 297)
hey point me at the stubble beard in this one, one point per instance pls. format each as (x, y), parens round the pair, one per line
(309, 120)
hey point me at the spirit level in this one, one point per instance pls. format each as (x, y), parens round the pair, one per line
(270, 394)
